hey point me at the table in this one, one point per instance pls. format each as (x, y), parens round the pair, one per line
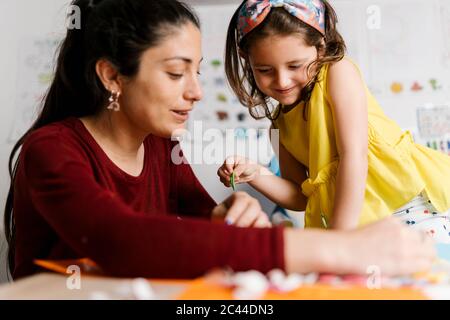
(44, 286)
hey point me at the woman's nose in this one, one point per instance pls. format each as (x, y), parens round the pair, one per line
(194, 90)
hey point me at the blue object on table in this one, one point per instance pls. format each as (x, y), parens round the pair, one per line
(443, 251)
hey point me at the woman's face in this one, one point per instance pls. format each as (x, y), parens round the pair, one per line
(160, 97)
(279, 64)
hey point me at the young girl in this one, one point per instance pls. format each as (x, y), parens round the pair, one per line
(342, 159)
(95, 178)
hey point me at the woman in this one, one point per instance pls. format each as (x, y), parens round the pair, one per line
(94, 177)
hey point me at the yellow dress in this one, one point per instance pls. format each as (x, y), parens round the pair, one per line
(398, 168)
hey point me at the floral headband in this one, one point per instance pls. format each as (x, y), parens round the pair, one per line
(253, 12)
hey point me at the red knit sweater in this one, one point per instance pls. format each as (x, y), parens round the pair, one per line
(71, 201)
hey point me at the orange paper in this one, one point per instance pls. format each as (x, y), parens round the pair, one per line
(205, 290)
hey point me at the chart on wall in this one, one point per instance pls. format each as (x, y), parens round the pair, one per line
(403, 52)
(434, 127)
(354, 32)
(35, 72)
(444, 10)
(219, 108)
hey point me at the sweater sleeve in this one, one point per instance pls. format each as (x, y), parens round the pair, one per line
(99, 225)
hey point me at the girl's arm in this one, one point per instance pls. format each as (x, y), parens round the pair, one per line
(285, 191)
(349, 106)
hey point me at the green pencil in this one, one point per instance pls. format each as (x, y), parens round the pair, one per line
(233, 185)
(324, 221)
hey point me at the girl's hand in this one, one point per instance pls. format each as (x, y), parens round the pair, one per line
(244, 170)
(241, 210)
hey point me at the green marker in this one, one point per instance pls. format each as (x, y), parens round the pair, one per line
(233, 184)
(324, 221)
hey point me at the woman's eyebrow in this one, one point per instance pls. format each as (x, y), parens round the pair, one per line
(184, 59)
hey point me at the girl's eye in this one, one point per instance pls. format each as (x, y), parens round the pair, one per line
(295, 67)
(263, 70)
(175, 76)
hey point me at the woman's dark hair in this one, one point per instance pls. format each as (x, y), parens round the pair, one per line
(278, 22)
(116, 30)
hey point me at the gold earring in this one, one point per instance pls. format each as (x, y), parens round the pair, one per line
(114, 101)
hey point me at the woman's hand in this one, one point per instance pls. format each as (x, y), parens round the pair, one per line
(386, 247)
(244, 170)
(394, 248)
(241, 210)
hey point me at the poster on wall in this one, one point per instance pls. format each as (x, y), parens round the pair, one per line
(219, 107)
(444, 10)
(402, 52)
(434, 127)
(35, 73)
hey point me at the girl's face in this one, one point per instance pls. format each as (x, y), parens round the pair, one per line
(279, 64)
(161, 96)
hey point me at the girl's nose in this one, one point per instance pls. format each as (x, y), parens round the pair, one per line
(282, 81)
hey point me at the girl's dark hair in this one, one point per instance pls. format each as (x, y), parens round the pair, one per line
(116, 30)
(278, 22)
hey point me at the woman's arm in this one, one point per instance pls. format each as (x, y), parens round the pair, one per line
(96, 223)
(349, 106)
(386, 247)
